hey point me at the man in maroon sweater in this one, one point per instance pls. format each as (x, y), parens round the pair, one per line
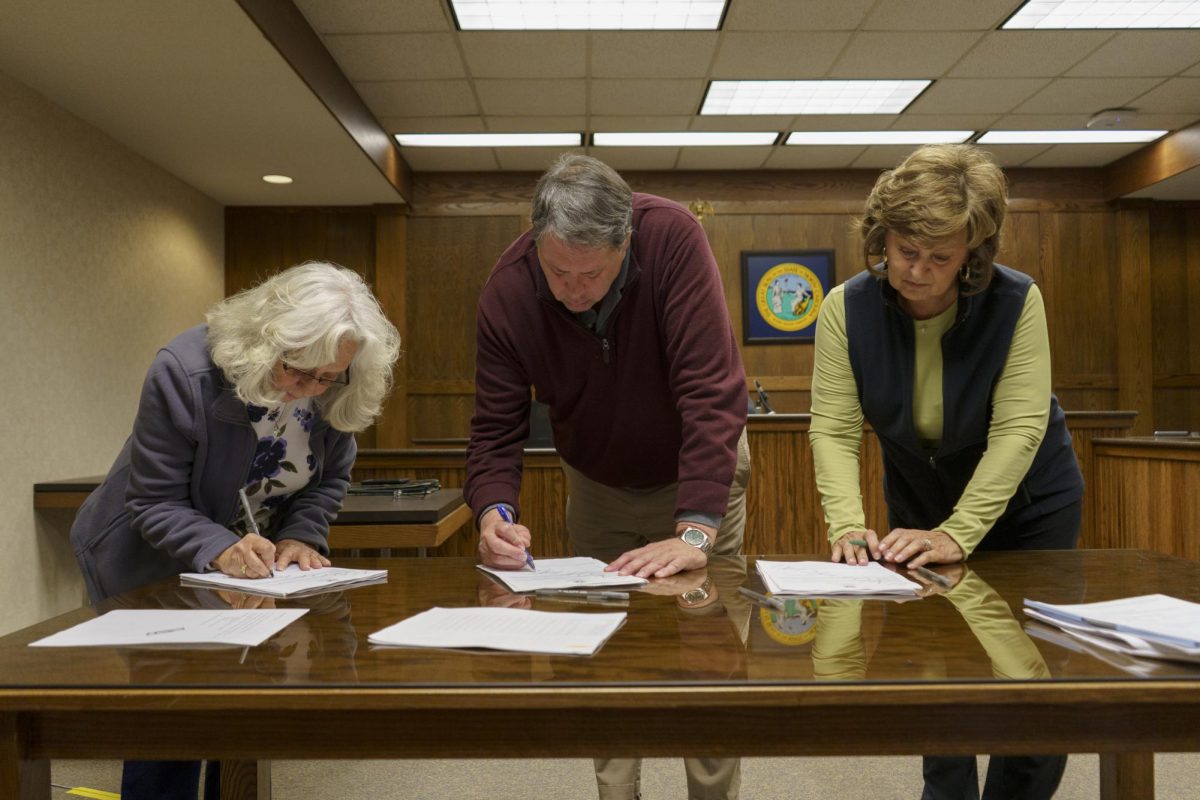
(611, 308)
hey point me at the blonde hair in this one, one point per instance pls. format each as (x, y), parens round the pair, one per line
(303, 314)
(939, 190)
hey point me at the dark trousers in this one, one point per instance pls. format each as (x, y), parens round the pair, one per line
(169, 780)
(1009, 777)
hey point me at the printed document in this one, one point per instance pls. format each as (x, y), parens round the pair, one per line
(290, 582)
(516, 629)
(562, 573)
(827, 579)
(1166, 623)
(144, 627)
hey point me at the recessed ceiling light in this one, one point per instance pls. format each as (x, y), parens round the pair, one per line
(684, 139)
(279, 179)
(878, 137)
(578, 15)
(1059, 14)
(489, 139)
(811, 97)
(1069, 137)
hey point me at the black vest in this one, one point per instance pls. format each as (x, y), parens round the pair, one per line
(922, 487)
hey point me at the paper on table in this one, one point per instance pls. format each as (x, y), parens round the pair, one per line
(825, 578)
(1110, 652)
(1118, 641)
(516, 629)
(1156, 616)
(144, 627)
(290, 582)
(562, 573)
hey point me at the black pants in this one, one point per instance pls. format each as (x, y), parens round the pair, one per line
(169, 780)
(1009, 777)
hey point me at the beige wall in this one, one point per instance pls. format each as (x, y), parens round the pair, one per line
(103, 257)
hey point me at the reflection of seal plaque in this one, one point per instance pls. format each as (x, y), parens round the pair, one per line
(798, 625)
(788, 297)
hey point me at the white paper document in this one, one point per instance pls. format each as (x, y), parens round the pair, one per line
(151, 628)
(516, 629)
(827, 579)
(1117, 641)
(1159, 625)
(562, 573)
(290, 582)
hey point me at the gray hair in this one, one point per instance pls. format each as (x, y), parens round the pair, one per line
(303, 314)
(584, 203)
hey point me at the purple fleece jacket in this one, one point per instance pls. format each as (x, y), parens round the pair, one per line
(659, 398)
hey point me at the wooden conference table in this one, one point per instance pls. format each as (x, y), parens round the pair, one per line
(365, 521)
(951, 673)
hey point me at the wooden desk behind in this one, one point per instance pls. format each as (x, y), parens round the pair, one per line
(866, 677)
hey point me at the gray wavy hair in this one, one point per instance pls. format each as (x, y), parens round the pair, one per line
(303, 314)
(583, 202)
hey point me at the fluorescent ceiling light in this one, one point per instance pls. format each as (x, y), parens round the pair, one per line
(277, 179)
(1058, 14)
(489, 139)
(578, 15)
(810, 97)
(683, 139)
(878, 137)
(1068, 137)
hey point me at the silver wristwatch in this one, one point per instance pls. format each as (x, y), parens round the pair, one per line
(697, 538)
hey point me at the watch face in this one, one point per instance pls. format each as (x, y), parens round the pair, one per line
(694, 537)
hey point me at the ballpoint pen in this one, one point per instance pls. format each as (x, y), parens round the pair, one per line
(164, 630)
(251, 522)
(764, 600)
(504, 516)
(583, 594)
(930, 575)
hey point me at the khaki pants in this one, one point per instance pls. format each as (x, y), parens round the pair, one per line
(604, 522)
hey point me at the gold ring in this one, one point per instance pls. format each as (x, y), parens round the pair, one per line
(243, 568)
(928, 545)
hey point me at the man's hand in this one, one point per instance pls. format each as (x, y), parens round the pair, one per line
(660, 559)
(293, 551)
(502, 544)
(251, 557)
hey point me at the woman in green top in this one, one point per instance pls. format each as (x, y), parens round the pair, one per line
(945, 353)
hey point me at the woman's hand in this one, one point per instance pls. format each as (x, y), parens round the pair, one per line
(916, 548)
(291, 551)
(251, 557)
(845, 549)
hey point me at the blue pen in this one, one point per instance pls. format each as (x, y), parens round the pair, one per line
(504, 516)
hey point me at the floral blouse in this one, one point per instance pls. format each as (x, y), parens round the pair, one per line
(283, 462)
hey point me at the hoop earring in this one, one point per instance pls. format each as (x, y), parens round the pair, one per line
(884, 267)
(964, 272)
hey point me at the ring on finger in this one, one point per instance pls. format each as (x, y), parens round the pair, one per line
(926, 545)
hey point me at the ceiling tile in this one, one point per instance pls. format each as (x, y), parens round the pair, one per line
(943, 122)
(1085, 95)
(652, 54)
(1014, 155)
(531, 159)
(632, 158)
(1042, 122)
(720, 122)
(396, 56)
(1193, 72)
(840, 122)
(450, 159)
(373, 16)
(1178, 96)
(796, 15)
(975, 95)
(427, 98)
(723, 157)
(830, 157)
(1132, 53)
(938, 15)
(640, 123)
(508, 98)
(924, 55)
(1027, 54)
(882, 156)
(525, 54)
(1082, 155)
(776, 55)
(464, 124)
(646, 97)
(524, 124)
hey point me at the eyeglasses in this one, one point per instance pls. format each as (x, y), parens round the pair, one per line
(341, 380)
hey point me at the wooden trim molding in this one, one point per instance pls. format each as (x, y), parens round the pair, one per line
(1163, 159)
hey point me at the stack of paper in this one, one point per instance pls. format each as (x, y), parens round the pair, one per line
(1150, 626)
(516, 629)
(146, 628)
(290, 582)
(827, 579)
(562, 573)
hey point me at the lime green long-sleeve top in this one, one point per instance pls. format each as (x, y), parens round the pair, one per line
(1020, 413)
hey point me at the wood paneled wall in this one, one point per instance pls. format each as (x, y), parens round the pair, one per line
(1122, 283)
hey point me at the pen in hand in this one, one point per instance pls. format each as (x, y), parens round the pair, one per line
(504, 516)
(251, 526)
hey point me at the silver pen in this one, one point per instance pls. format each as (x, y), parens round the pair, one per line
(582, 594)
(764, 600)
(930, 575)
(251, 523)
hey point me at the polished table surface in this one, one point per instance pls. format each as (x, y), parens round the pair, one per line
(954, 672)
